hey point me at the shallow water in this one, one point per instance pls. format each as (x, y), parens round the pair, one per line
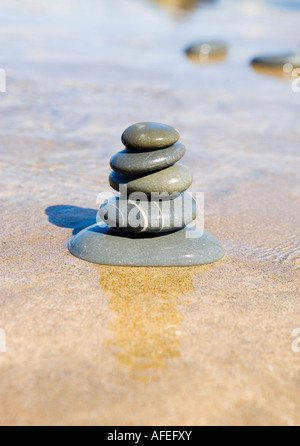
(80, 74)
(209, 346)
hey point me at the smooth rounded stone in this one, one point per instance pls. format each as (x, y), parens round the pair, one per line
(149, 216)
(278, 66)
(130, 163)
(147, 136)
(207, 51)
(278, 61)
(176, 178)
(186, 247)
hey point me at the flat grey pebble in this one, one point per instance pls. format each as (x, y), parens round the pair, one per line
(149, 216)
(176, 178)
(206, 48)
(186, 247)
(146, 136)
(278, 60)
(130, 163)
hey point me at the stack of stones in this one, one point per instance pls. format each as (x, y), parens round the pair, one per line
(153, 187)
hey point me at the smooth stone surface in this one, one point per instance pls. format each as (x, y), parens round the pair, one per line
(278, 61)
(130, 163)
(147, 136)
(176, 178)
(150, 216)
(207, 51)
(107, 246)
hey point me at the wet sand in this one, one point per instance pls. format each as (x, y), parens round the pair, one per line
(95, 345)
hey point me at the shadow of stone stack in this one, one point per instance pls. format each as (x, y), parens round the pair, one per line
(147, 225)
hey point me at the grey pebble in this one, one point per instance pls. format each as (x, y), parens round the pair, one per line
(146, 136)
(277, 61)
(185, 247)
(176, 178)
(130, 163)
(149, 216)
(206, 48)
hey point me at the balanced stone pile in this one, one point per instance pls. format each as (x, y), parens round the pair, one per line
(152, 186)
(148, 223)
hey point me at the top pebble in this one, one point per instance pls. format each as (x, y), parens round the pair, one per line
(147, 136)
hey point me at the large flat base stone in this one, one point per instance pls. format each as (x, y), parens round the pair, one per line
(106, 246)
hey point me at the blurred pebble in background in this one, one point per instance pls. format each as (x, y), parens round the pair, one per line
(206, 52)
(278, 65)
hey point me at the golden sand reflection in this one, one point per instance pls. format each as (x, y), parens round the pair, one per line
(147, 319)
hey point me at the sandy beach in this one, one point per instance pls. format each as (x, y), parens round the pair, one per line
(98, 345)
